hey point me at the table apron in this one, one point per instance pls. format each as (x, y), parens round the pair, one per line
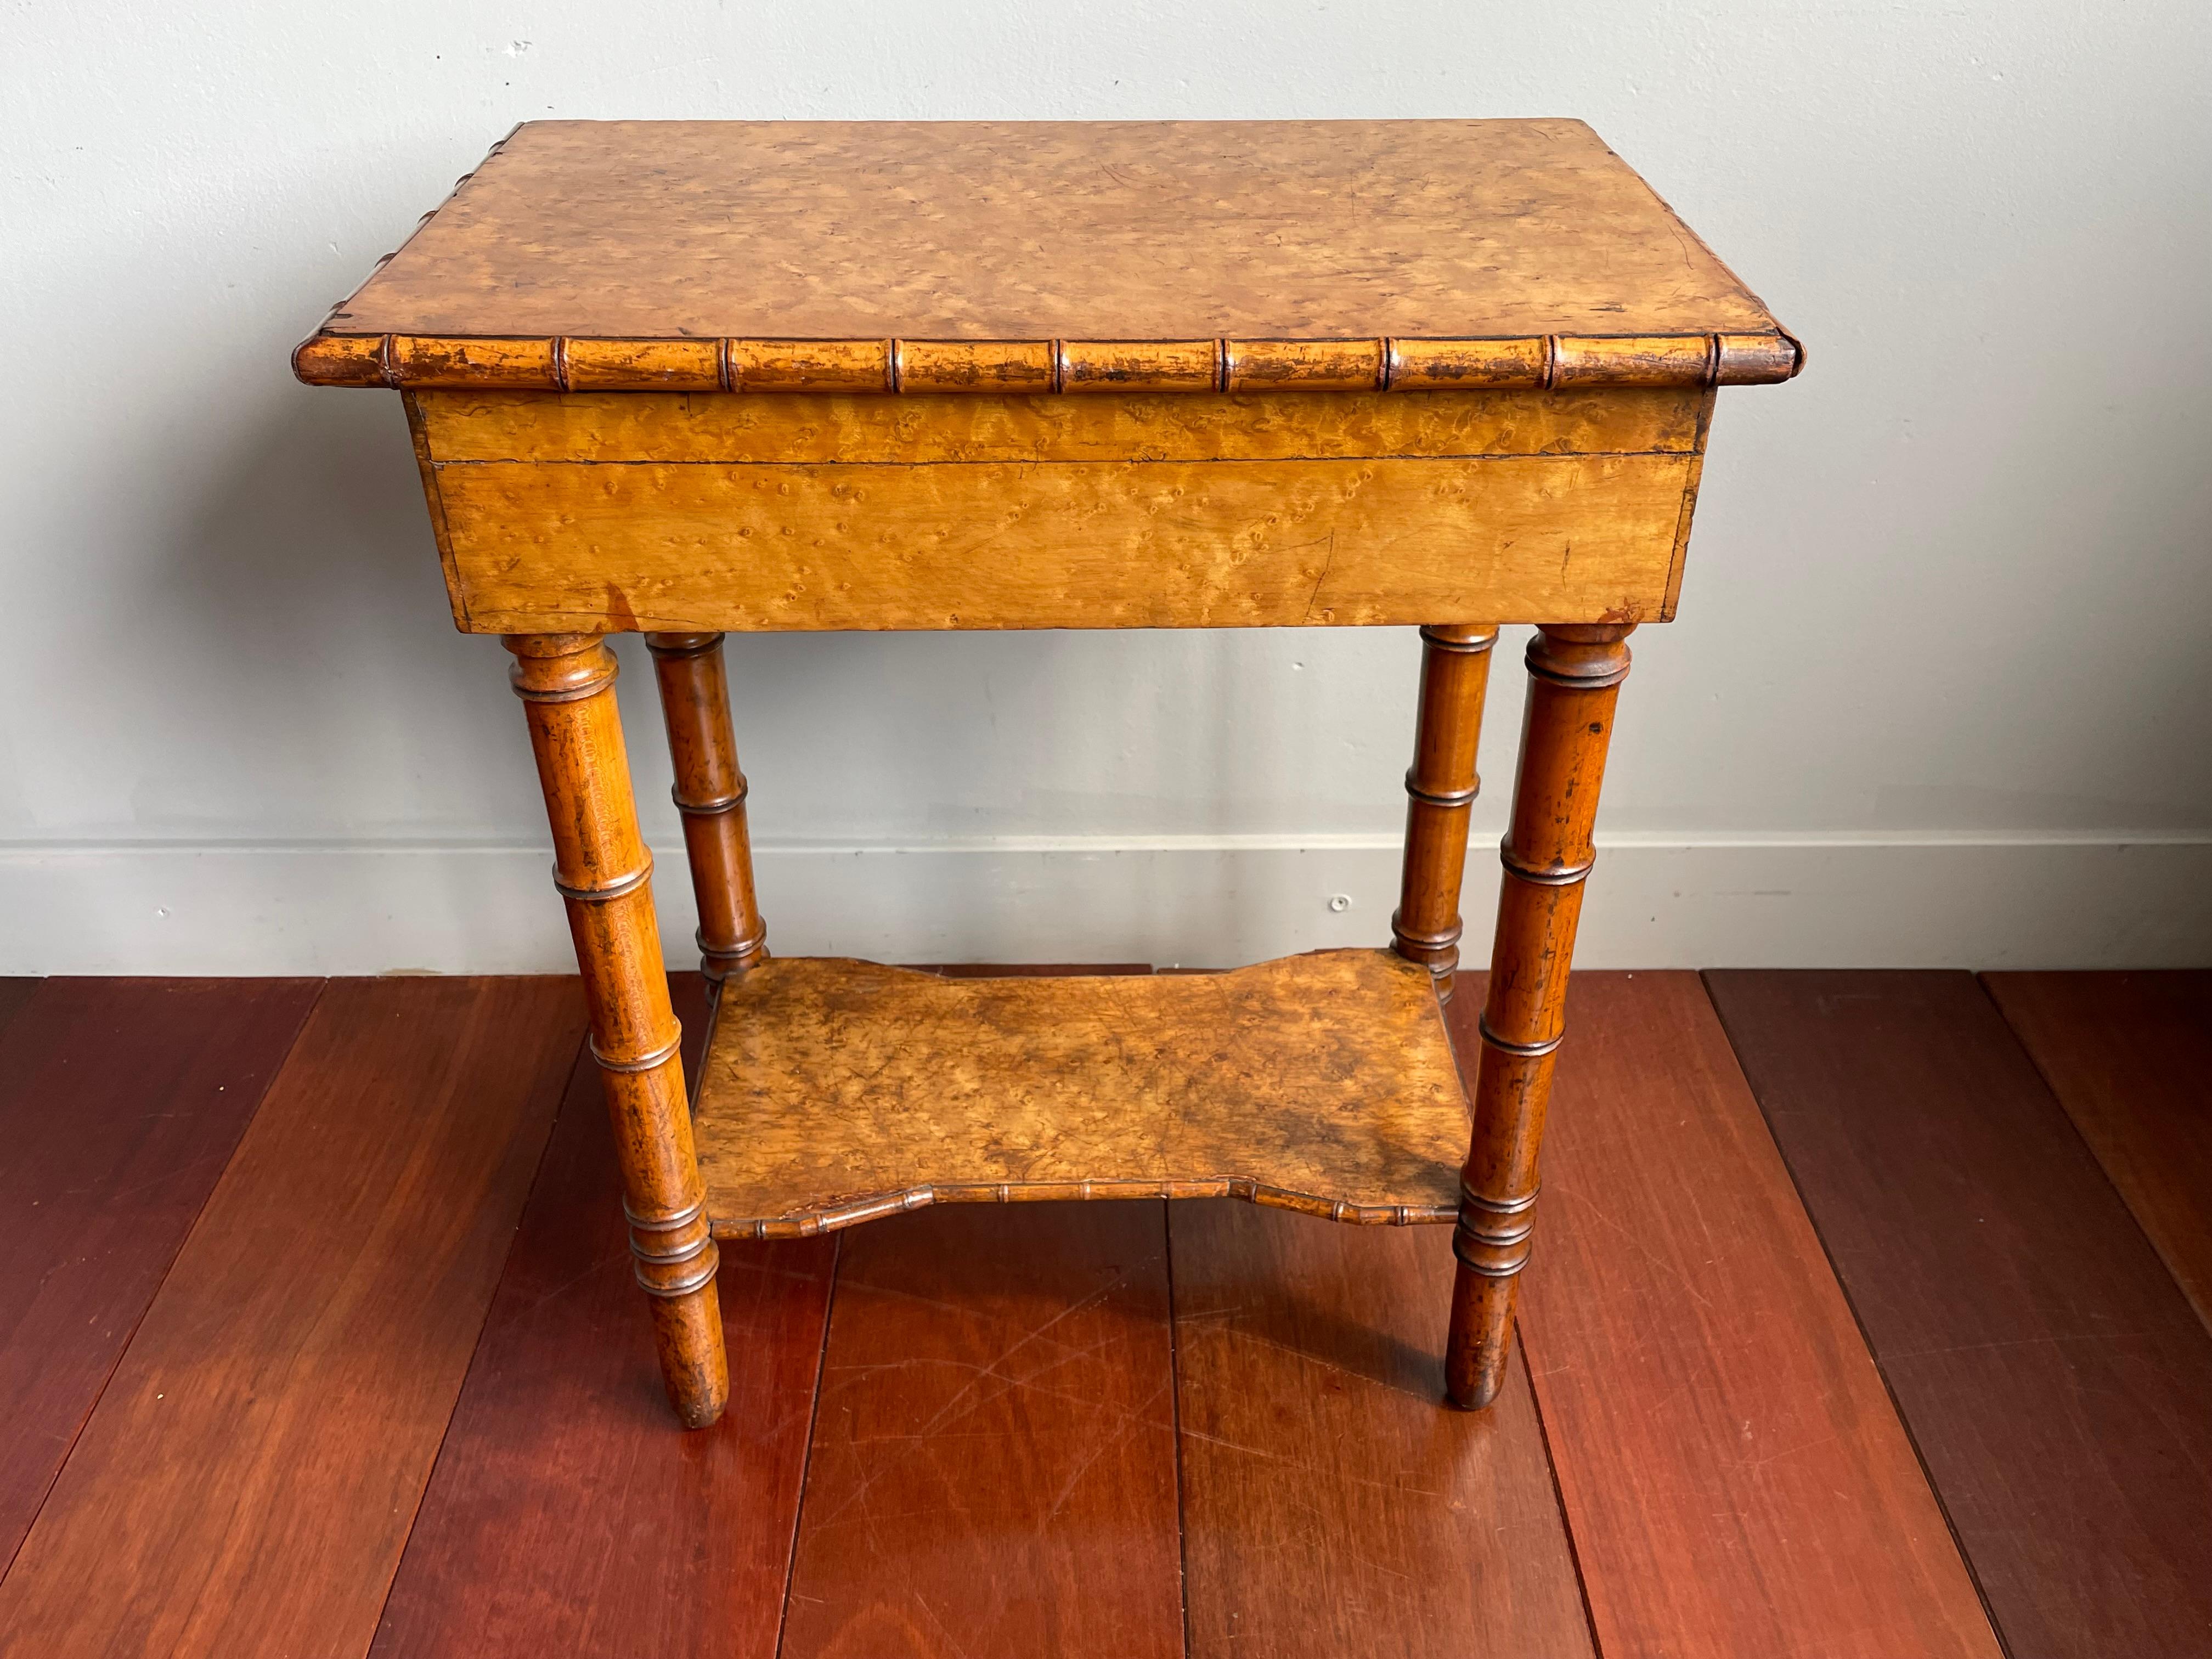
(537, 546)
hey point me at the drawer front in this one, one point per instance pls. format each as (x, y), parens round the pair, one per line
(627, 512)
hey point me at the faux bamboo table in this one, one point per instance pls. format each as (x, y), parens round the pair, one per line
(689, 377)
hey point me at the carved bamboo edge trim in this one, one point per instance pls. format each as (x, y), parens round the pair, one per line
(385, 259)
(745, 952)
(1471, 1199)
(677, 646)
(660, 1244)
(1447, 800)
(710, 808)
(1573, 682)
(893, 366)
(807, 1223)
(1525, 1050)
(708, 1258)
(1439, 941)
(1564, 875)
(1434, 637)
(1491, 1258)
(652, 1060)
(1493, 1235)
(674, 1221)
(602, 892)
(585, 670)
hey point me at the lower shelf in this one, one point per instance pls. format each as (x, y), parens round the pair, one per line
(835, 1092)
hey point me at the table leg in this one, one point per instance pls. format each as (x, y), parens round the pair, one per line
(601, 867)
(710, 792)
(1574, 680)
(1440, 791)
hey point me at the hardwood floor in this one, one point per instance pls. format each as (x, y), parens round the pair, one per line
(2056, 1381)
(1734, 1475)
(246, 1483)
(1860, 1303)
(2129, 1057)
(1331, 1505)
(120, 1102)
(563, 1518)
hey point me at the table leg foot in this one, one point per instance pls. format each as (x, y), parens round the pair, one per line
(566, 682)
(1574, 674)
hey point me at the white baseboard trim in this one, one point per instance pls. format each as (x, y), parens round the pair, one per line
(1656, 901)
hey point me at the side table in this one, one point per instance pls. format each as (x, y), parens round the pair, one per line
(690, 378)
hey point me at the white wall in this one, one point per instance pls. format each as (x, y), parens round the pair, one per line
(1939, 692)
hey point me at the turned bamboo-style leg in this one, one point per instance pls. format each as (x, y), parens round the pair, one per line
(710, 792)
(601, 867)
(1440, 791)
(1574, 680)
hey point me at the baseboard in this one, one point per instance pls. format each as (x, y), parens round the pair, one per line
(1655, 901)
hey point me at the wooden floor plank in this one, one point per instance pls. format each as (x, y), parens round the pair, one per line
(246, 1483)
(993, 1461)
(15, 992)
(1332, 1503)
(568, 1513)
(2129, 1057)
(1735, 1478)
(2056, 1379)
(120, 1102)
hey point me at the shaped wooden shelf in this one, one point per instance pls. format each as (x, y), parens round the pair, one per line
(835, 1092)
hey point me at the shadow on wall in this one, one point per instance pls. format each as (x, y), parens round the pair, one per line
(312, 640)
(305, 563)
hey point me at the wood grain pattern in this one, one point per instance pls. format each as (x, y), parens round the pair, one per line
(567, 1515)
(2129, 1057)
(922, 367)
(708, 548)
(1441, 786)
(710, 793)
(604, 877)
(2056, 1379)
(979, 231)
(575, 363)
(1734, 1476)
(120, 1102)
(1259, 426)
(245, 1485)
(1305, 365)
(836, 1091)
(994, 1461)
(1331, 1504)
(1574, 681)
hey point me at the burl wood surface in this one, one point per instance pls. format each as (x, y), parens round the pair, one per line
(801, 429)
(680, 513)
(834, 1091)
(2055, 1377)
(245, 1487)
(535, 547)
(1044, 231)
(1574, 683)
(1734, 1473)
(604, 877)
(2129, 1057)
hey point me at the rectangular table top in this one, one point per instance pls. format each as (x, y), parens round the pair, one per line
(1385, 232)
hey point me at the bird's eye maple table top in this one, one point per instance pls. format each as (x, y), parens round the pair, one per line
(1294, 248)
(693, 378)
